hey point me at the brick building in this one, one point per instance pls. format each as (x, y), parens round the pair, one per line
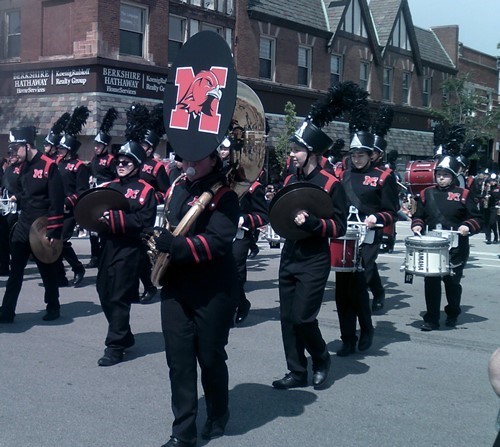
(57, 54)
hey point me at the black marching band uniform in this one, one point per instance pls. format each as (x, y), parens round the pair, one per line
(253, 208)
(75, 177)
(198, 304)
(305, 267)
(102, 170)
(373, 192)
(10, 190)
(120, 257)
(451, 207)
(153, 171)
(41, 195)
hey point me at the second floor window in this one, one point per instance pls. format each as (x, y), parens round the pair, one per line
(335, 70)
(132, 29)
(266, 58)
(364, 75)
(176, 36)
(304, 66)
(387, 85)
(405, 87)
(426, 92)
(13, 34)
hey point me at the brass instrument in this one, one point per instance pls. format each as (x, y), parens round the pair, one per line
(245, 167)
(7, 206)
(486, 194)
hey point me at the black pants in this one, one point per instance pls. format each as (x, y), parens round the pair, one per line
(353, 302)
(301, 290)
(369, 254)
(145, 268)
(117, 284)
(240, 254)
(6, 224)
(453, 290)
(490, 223)
(20, 254)
(95, 247)
(196, 334)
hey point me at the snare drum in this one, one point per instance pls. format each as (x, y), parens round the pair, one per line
(344, 251)
(427, 256)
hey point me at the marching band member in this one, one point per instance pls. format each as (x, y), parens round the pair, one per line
(373, 192)
(305, 264)
(451, 207)
(199, 301)
(491, 195)
(119, 261)
(75, 177)
(102, 169)
(42, 194)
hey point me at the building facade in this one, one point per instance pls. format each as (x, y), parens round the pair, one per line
(57, 54)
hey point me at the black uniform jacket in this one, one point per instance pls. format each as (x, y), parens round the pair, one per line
(75, 176)
(202, 263)
(10, 181)
(254, 207)
(451, 207)
(103, 168)
(126, 226)
(155, 174)
(332, 227)
(372, 191)
(42, 194)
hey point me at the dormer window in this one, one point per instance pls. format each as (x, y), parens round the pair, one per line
(400, 37)
(353, 20)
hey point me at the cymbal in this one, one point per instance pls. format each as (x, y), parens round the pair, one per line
(91, 205)
(39, 244)
(293, 198)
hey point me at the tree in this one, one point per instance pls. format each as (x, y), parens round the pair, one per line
(464, 106)
(281, 149)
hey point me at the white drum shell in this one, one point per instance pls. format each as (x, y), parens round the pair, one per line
(427, 256)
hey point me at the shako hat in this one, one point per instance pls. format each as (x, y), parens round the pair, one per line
(55, 134)
(359, 124)
(134, 151)
(448, 163)
(108, 121)
(73, 128)
(381, 126)
(22, 135)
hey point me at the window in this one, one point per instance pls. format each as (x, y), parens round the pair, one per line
(266, 58)
(304, 66)
(176, 36)
(426, 92)
(335, 70)
(195, 26)
(13, 34)
(405, 87)
(387, 85)
(132, 29)
(364, 75)
(353, 20)
(400, 37)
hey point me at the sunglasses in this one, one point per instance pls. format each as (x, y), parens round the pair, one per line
(124, 163)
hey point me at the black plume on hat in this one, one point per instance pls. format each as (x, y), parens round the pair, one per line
(359, 124)
(54, 136)
(156, 127)
(455, 138)
(137, 122)
(74, 127)
(440, 133)
(107, 123)
(337, 147)
(381, 126)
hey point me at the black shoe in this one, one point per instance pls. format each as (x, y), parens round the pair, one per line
(62, 282)
(488, 242)
(6, 318)
(378, 304)
(93, 263)
(321, 374)
(215, 428)
(365, 340)
(148, 294)
(451, 322)
(427, 327)
(290, 382)
(52, 314)
(111, 357)
(253, 253)
(242, 311)
(78, 277)
(175, 442)
(347, 348)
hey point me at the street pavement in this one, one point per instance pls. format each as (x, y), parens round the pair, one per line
(412, 388)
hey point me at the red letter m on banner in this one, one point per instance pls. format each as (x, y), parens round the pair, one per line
(193, 92)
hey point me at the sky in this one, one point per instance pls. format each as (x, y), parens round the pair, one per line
(478, 20)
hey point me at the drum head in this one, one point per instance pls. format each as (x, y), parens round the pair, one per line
(40, 246)
(426, 241)
(292, 199)
(91, 205)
